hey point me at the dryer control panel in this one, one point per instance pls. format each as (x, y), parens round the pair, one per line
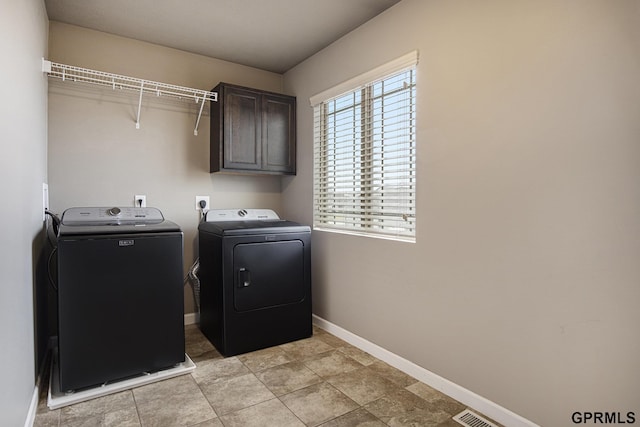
(217, 215)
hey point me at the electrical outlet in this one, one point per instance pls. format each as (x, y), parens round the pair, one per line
(200, 199)
(45, 200)
(140, 201)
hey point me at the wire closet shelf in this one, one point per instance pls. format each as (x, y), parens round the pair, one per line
(119, 82)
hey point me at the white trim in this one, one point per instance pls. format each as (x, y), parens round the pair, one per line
(375, 236)
(405, 61)
(35, 398)
(461, 394)
(33, 408)
(191, 318)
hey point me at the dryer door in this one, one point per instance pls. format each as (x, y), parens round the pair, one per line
(268, 274)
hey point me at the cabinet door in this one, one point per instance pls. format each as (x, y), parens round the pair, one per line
(278, 134)
(242, 132)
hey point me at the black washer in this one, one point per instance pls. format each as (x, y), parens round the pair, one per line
(120, 295)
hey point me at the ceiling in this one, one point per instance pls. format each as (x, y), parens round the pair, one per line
(273, 35)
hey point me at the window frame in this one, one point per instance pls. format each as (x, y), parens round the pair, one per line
(363, 147)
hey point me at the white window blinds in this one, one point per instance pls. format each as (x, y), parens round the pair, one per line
(365, 154)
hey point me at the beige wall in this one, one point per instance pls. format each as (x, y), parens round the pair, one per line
(97, 157)
(23, 169)
(523, 285)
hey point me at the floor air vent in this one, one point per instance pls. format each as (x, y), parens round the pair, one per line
(470, 419)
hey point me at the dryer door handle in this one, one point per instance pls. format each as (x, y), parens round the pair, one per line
(244, 278)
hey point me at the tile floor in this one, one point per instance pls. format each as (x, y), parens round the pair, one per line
(319, 381)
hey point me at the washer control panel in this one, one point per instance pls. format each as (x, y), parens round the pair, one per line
(111, 216)
(216, 215)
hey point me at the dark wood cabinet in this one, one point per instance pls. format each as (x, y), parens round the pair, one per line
(253, 131)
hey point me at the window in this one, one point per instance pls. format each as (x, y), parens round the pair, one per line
(365, 154)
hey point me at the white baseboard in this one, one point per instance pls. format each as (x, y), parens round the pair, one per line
(191, 318)
(461, 394)
(33, 407)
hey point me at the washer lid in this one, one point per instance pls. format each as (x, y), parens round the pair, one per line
(110, 220)
(111, 216)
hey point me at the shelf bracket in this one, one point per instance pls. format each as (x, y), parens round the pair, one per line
(46, 66)
(139, 104)
(195, 130)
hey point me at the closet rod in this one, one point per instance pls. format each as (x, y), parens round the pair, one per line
(116, 81)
